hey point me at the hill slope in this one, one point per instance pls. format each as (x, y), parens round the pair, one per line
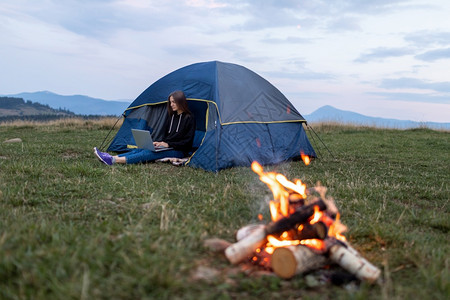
(17, 107)
(79, 104)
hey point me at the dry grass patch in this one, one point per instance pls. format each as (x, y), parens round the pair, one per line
(75, 122)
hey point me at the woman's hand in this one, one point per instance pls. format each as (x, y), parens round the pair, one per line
(160, 144)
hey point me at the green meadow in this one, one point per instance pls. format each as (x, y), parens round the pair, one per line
(73, 228)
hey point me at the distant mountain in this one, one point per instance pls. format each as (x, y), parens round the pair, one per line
(79, 104)
(331, 114)
(84, 105)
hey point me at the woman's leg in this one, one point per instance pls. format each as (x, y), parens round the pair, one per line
(143, 155)
(120, 159)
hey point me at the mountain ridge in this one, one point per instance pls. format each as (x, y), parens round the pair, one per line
(79, 104)
(329, 113)
(85, 105)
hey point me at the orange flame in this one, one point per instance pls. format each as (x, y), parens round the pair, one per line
(306, 159)
(273, 241)
(317, 215)
(314, 243)
(297, 187)
(337, 228)
(283, 191)
(257, 168)
(273, 210)
(280, 187)
(269, 249)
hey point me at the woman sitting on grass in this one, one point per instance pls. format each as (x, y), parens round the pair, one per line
(179, 135)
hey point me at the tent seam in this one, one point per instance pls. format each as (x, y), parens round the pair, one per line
(218, 113)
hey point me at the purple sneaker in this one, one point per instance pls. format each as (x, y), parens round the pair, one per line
(104, 157)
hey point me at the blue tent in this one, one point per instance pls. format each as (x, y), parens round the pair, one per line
(240, 117)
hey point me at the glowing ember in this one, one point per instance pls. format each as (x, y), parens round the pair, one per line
(269, 249)
(305, 158)
(281, 243)
(314, 243)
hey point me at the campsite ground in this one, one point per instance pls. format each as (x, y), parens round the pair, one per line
(71, 227)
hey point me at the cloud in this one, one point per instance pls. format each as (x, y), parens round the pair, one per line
(206, 3)
(379, 7)
(413, 97)
(104, 18)
(328, 8)
(288, 40)
(382, 53)
(344, 24)
(301, 75)
(434, 55)
(86, 18)
(428, 38)
(413, 83)
(262, 19)
(338, 15)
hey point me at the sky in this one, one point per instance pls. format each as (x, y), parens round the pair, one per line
(381, 58)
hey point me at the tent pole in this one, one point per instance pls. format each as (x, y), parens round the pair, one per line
(313, 141)
(103, 144)
(218, 138)
(329, 151)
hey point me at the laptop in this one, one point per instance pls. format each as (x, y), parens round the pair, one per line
(144, 140)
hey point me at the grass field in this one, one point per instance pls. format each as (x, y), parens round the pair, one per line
(73, 228)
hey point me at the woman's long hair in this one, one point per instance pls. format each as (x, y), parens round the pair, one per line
(180, 100)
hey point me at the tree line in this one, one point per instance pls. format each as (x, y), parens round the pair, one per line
(48, 113)
(16, 103)
(22, 106)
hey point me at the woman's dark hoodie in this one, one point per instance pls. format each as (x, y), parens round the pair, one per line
(180, 131)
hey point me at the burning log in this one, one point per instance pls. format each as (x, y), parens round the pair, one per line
(349, 259)
(308, 231)
(300, 216)
(305, 233)
(293, 260)
(315, 231)
(244, 248)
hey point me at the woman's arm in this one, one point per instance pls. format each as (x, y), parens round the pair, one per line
(160, 144)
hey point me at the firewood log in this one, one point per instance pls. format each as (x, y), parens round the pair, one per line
(247, 230)
(315, 231)
(352, 261)
(292, 260)
(244, 248)
(300, 216)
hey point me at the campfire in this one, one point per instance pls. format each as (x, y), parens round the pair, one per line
(305, 233)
